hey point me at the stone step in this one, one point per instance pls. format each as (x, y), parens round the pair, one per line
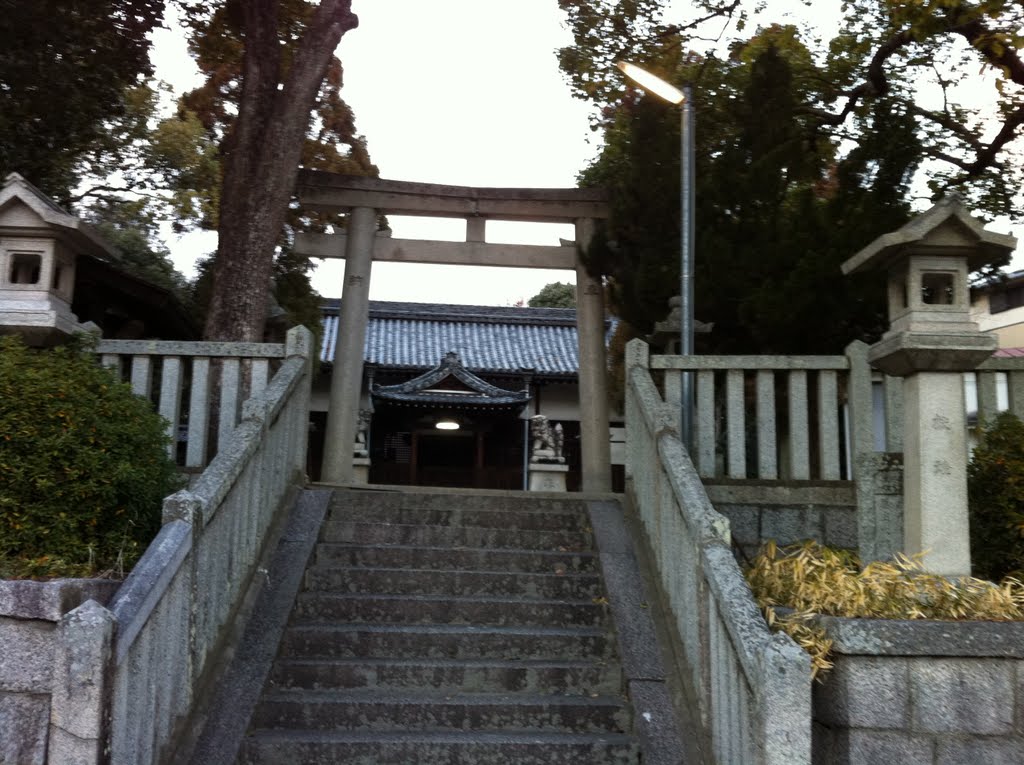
(375, 641)
(385, 710)
(354, 532)
(446, 609)
(575, 520)
(568, 585)
(343, 500)
(481, 675)
(435, 748)
(436, 558)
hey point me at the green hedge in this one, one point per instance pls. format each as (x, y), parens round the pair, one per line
(83, 465)
(995, 488)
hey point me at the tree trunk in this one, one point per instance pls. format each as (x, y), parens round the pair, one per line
(261, 160)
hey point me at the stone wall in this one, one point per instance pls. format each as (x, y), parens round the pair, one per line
(786, 511)
(35, 625)
(916, 692)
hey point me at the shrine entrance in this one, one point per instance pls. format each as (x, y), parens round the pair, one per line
(364, 201)
(448, 427)
(484, 453)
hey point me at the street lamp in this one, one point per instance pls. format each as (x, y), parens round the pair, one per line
(684, 99)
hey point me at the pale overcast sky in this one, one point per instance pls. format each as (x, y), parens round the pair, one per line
(461, 92)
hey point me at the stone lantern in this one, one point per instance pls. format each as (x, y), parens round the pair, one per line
(931, 341)
(39, 245)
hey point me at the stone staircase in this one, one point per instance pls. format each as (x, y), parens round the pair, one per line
(446, 628)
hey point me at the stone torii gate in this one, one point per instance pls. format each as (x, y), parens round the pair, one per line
(365, 199)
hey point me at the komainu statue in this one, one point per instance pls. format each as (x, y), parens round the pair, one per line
(547, 440)
(362, 433)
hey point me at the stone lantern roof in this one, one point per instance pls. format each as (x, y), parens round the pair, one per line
(36, 208)
(948, 228)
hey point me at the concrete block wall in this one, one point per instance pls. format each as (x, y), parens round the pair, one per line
(41, 695)
(786, 511)
(921, 693)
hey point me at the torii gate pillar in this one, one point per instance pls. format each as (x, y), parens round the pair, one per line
(595, 450)
(347, 377)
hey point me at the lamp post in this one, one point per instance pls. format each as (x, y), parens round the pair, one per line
(683, 98)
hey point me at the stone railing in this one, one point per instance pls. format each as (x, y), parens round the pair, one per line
(175, 609)
(738, 431)
(122, 680)
(178, 377)
(990, 376)
(752, 687)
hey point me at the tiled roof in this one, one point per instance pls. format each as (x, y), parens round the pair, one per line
(488, 339)
(1009, 353)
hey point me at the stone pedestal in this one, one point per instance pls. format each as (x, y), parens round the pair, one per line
(935, 472)
(547, 476)
(360, 470)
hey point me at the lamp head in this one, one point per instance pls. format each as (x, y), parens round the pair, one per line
(651, 83)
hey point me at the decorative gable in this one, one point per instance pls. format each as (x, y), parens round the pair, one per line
(449, 384)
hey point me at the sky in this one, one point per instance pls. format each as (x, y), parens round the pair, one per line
(463, 92)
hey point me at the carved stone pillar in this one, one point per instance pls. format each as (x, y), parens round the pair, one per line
(347, 377)
(595, 459)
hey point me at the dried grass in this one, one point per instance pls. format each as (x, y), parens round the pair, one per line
(812, 579)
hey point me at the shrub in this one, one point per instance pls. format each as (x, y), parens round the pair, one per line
(995, 490)
(812, 579)
(83, 465)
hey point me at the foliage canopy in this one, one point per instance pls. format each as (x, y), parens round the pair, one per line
(67, 73)
(805, 152)
(554, 295)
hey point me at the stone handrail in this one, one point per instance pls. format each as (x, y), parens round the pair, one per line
(752, 687)
(240, 370)
(169, 623)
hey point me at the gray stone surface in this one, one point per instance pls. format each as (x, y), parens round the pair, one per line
(595, 450)
(880, 505)
(784, 525)
(655, 717)
(840, 524)
(80, 671)
(23, 721)
(781, 493)
(25, 599)
(979, 751)
(893, 637)
(963, 695)
(641, 655)
(655, 724)
(26, 661)
(864, 692)
(237, 694)
(744, 522)
(784, 698)
(149, 580)
(67, 749)
(346, 379)
(869, 747)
